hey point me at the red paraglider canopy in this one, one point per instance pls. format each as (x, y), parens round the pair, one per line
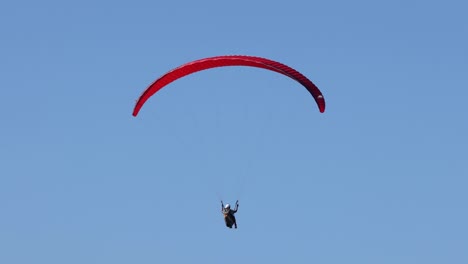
(230, 60)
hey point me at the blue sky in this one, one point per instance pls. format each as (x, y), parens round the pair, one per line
(380, 177)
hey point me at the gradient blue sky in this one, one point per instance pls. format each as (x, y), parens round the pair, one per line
(380, 177)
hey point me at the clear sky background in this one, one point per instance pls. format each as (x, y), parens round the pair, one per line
(380, 177)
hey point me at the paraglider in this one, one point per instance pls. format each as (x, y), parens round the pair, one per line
(230, 60)
(224, 61)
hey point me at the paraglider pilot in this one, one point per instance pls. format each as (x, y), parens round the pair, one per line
(228, 213)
